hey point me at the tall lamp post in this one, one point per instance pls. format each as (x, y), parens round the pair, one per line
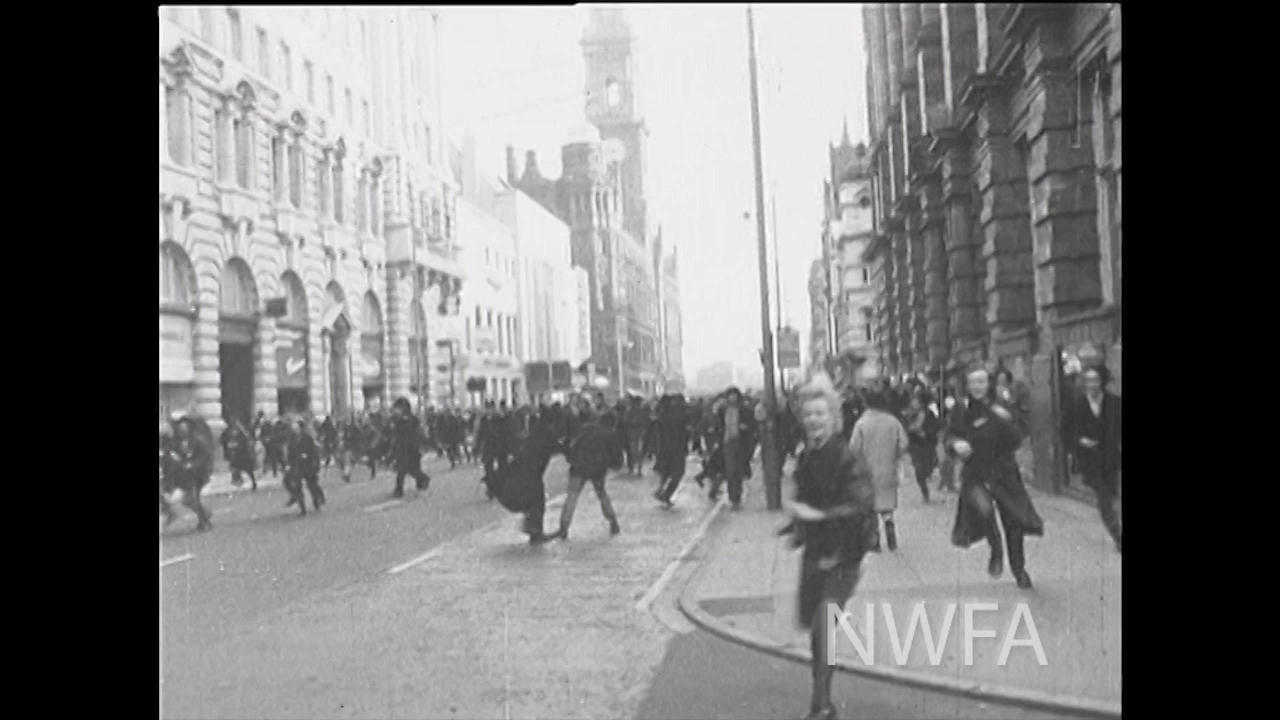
(772, 471)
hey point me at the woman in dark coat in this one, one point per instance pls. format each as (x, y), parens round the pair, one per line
(519, 486)
(672, 446)
(984, 434)
(1094, 432)
(834, 520)
(405, 432)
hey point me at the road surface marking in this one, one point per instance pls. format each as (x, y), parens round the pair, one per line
(383, 505)
(440, 549)
(667, 574)
(180, 558)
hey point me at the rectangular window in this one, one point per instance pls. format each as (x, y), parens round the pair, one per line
(329, 84)
(244, 152)
(237, 35)
(867, 329)
(309, 77)
(339, 203)
(277, 169)
(206, 24)
(286, 66)
(220, 143)
(326, 183)
(296, 173)
(177, 120)
(1103, 142)
(264, 54)
(866, 276)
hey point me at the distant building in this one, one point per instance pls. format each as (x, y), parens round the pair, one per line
(847, 234)
(820, 330)
(714, 378)
(601, 197)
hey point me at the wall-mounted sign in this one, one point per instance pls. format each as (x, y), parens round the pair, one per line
(369, 362)
(291, 365)
(177, 350)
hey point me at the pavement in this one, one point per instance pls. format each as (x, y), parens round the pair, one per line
(745, 592)
(437, 607)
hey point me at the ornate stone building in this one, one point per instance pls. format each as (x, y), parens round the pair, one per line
(301, 162)
(600, 195)
(847, 234)
(997, 164)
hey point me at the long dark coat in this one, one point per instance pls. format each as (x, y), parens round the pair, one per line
(238, 448)
(193, 457)
(672, 437)
(993, 468)
(1101, 464)
(406, 439)
(922, 433)
(519, 488)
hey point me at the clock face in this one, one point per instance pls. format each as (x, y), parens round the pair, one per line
(614, 150)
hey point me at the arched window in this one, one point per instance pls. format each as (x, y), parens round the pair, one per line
(613, 93)
(296, 313)
(175, 277)
(237, 295)
(371, 316)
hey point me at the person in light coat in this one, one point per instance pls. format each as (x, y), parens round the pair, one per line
(879, 437)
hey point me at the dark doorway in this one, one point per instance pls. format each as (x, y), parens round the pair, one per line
(292, 401)
(235, 370)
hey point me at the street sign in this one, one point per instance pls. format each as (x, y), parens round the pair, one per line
(789, 348)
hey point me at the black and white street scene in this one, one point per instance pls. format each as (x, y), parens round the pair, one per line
(652, 362)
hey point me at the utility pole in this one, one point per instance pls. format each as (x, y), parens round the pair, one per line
(777, 280)
(768, 440)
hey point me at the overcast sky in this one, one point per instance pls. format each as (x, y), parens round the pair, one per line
(515, 76)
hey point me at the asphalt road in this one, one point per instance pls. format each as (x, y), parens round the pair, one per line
(274, 615)
(261, 556)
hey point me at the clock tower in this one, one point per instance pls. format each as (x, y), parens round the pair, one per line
(612, 107)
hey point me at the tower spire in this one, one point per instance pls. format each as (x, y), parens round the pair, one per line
(844, 138)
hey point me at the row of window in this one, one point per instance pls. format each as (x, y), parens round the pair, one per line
(504, 330)
(235, 150)
(282, 57)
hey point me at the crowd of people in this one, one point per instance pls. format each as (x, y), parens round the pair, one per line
(847, 477)
(851, 451)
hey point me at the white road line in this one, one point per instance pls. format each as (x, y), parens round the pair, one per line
(667, 574)
(180, 558)
(383, 505)
(440, 549)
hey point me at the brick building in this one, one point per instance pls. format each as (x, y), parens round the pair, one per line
(997, 165)
(301, 160)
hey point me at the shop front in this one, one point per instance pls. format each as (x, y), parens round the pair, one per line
(292, 372)
(177, 331)
(293, 350)
(369, 363)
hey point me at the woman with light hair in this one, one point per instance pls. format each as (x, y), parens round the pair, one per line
(833, 520)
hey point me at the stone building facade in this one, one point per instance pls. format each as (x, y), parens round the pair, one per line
(672, 319)
(300, 161)
(601, 196)
(847, 235)
(997, 164)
